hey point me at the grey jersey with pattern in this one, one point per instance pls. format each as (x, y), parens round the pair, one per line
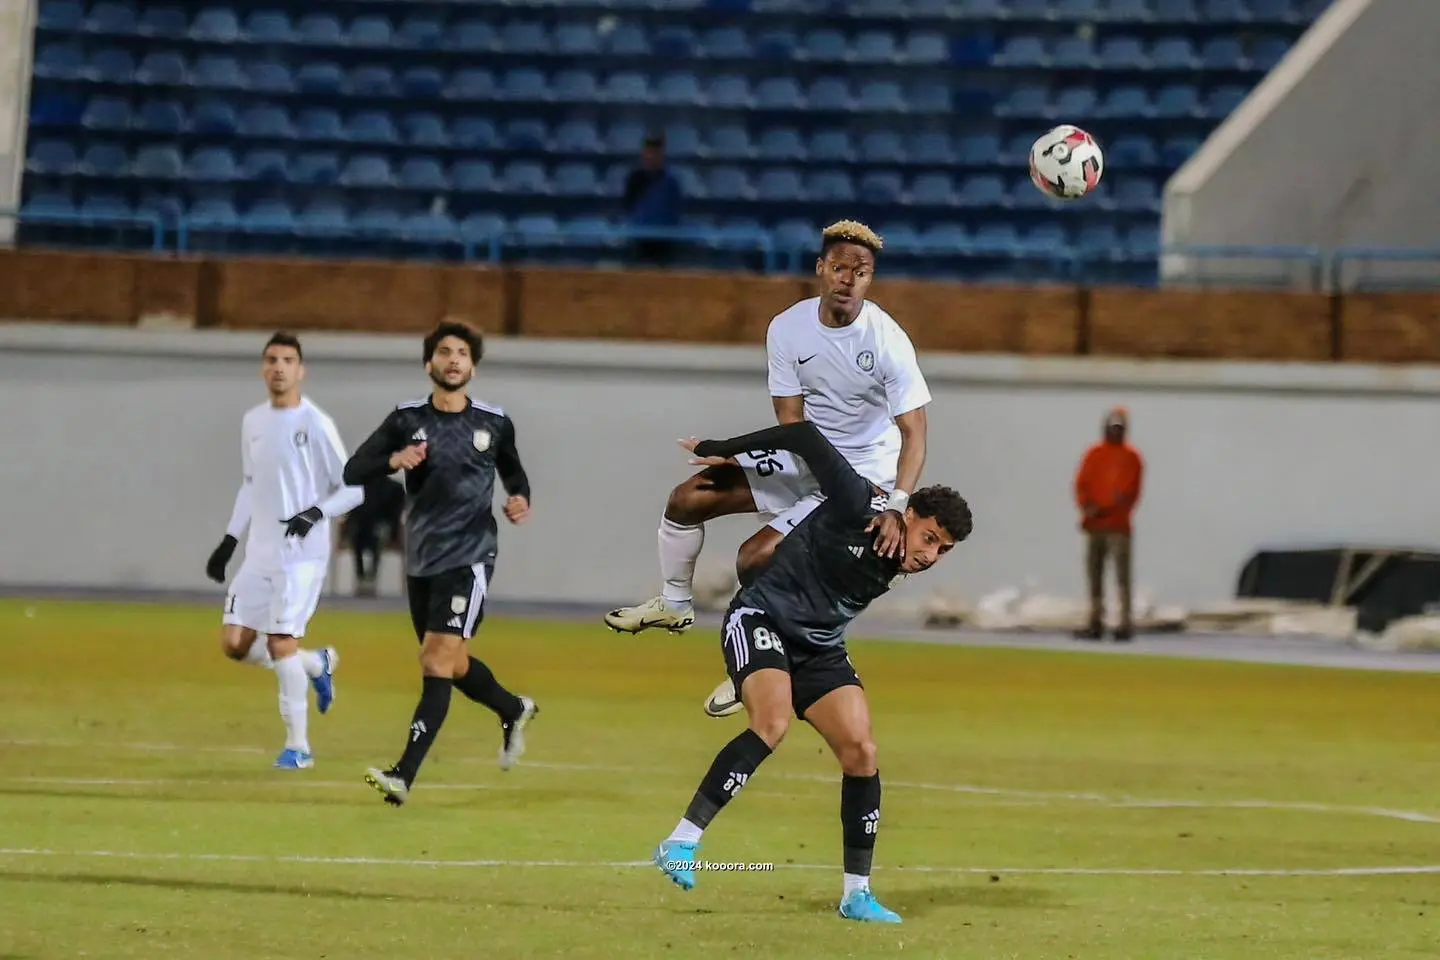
(449, 520)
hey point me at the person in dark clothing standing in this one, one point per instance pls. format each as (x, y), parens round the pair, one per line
(652, 200)
(451, 449)
(370, 525)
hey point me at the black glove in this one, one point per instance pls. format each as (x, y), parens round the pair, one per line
(215, 567)
(300, 524)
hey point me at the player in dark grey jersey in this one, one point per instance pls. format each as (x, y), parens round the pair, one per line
(784, 645)
(451, 448)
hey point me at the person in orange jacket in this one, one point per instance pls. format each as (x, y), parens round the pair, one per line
(1107, 490)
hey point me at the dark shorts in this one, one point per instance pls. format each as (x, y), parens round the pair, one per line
(452, 601)
(751, 642)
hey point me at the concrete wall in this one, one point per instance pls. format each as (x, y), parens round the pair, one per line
(1334, 148)
(121, 463)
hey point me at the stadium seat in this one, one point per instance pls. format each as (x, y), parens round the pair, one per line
(727, 43)
(779, 186)
(470, 36)
(779, 93)
(935, 149)
(270, 77)
(321, 125)
(875, 47)
(673, 43)
(369, 31)
(51, 158)
(371, 126)
(268, 26)
(474, 133)
(679, 90)
(422, 83)
(167, 22)
(424, 130)
(881, 186)
(1132, 151)
(210, 164)
(576, 180)
(473, 176)
(470, 84)
(525, 136)
(576, 40)
(925, 48)
(731, 142)
(629, 41)
(882, 146)
(215, 25)
(1173, 53)
(266, 122)
(367, 171)
(110, 65)
(59, 61)
(319, 30)
(423, 173)
(420, 32)
(103, 160)
(829, 93)
(580, 136)
(781, 145)
(831, 146)
(1074, 53)
(1223, 53)
(115, 19)
(265, 166)
(61, 16)
(106, 113)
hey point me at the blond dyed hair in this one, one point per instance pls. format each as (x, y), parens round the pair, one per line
(852, 231)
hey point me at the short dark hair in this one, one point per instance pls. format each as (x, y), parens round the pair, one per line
(453, 328)
(947, 507)
(281, 338)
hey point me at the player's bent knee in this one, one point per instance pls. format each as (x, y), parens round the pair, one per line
(755, 553)
(441, 655)
(235, 643)
(770, 727)
(858, 758)
(714, 492)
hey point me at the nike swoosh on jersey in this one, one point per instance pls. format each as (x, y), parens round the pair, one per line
(809, 358)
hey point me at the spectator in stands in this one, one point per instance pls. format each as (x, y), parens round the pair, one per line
(652, 199)
(1107, 490)
(371, 525)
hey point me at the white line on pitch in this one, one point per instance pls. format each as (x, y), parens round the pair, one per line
(631, 864)
(1100, 799)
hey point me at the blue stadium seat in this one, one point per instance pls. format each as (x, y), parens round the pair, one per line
(727, 43)
(525, 135)
(376, 223)
(782, 145)
(1000, 239)
(1072, 102)
(1098, 239)
(1178, 100)
(106, 113)
(1177, 150)
(824, 45)
(1269, 51)
(323, 218)
(881, 186)
(524, 37)
(524, 176)
(482, 226)
(627, 87)
(268, 26)
(320, 124)
(473, 176)
(978, 150)
(1026, 101)
(159, 116)
(831, 146)
(1023, 51)
(829, 93)
(167, 22)
(470, 36)
(214, 118)
(1125, 103)
(369, 171)
(629, 41)
(925, 47)
(579, 136)
(369, 31)
(430, 228)
(213, 214)
(116, 19)
(882, 146)
(1136, 195)
(779, 186)
(322, 78)
(981, 191)
(1173, 53)
(935, 149)
(424, 130)
(316, 169)
(1135, 150)
(933, 190)
(215, 25)
(775, 45)
(1176, 11)
(320, 30)
(422, 83)
(881, 96)
(51, 158)
(1074, 53)
(1127, 10)
(1143, 241)
(576, 180)
(1225, 11)
(270, 77)
(576, 40)
(875, 47)
(830, 186)
(111, 65)
(796, 235)
(731, 142)
(61, 16)
(266, 165)
(728, 91)
(103, 160)
(216, 72)
(683, 142)
(105, 205)
(1273, 11)
(728, 183)
(1047, 238)
(470, 84)
(269, 217)
(576, 86)
(420, 32)
(673, 43)
(1223, 53)
(474, 133)
(1084, 10)
(371, 126)
(1223, 101)
(779, 93)
(50, 203)
(372, 80)
(58, 61)
(266, 122)
(679, 90)
(1122, 53)
(210, 164)
(423, 173)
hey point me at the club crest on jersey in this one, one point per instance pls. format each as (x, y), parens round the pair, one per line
(865, 361)
(482, 440)
(301, 438)
(458, 604)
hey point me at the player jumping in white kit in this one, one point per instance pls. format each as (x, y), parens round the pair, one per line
(293, 462)
(845, 365)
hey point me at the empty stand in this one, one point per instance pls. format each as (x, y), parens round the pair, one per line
(445, 129)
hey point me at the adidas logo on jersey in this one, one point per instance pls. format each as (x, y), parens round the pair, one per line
(418, 434)
(455, 622)
(858, 551)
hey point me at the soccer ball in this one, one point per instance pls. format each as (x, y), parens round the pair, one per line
(1066, 163)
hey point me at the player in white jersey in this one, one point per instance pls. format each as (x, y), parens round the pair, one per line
(845, 365)
(293, 461)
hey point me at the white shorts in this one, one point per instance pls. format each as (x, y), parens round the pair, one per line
(784, 489)
(275, 602)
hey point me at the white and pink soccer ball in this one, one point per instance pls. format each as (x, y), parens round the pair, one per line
(1066, 163)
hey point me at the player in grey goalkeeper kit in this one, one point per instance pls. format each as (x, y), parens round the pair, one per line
(784, 645)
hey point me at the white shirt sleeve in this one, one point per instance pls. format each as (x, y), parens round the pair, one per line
(905, 387)
(784, 377)
(340, 499)
(240, 513)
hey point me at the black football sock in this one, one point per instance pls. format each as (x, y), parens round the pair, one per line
(860, 818)
(480, 685)
(429, 718)
(733, 765)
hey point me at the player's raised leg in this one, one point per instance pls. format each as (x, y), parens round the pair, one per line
(842, 717)
(757, 662)
(714, 492)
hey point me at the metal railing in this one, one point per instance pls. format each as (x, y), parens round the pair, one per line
(66, 218)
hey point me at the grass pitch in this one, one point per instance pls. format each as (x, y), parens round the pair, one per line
(1037, 805)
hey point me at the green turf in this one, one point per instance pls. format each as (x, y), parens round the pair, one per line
(127, 733)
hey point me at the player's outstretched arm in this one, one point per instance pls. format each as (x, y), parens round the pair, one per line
(838, 480)
(512, 475)
(373, 458)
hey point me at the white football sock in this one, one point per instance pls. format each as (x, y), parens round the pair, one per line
(853, 882)
(680, 547)
(686, 832)
(294, 704)
(259, 654)
(313, 663)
